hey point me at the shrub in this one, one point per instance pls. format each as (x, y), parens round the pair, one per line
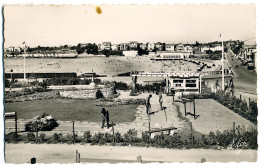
(108, 137)
(212, 140)
(99, 94)
(231, 107)
(224, 139)
(130, 136)
(98, 139)
(30, 137)
(12, 138)
(42, 137)
(121, 86)
(252, 139)
(253, 109)
(27, 91)
(118, 137)
(70, 138)
(7, 83)
(57, 137)
(46, 123)
(244, 107)
(133, 92)
(97, 81)
(145, 137)
(87, 137)
(237, 110)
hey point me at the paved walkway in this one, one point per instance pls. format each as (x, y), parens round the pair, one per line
(214, 116)
(160, 119)
(63, 153)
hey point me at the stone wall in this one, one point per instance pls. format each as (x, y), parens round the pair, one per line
(85, 94)
(35, 96)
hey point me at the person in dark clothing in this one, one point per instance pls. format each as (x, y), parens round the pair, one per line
(148, 104)
(231, 82)
(103, 112)
(160, 101)
(107, 118)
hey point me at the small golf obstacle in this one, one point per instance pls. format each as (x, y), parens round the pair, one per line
(150, 131)
(10, 115)
(191, 101)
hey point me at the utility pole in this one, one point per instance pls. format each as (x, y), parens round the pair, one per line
(24, 75)
(73, 131)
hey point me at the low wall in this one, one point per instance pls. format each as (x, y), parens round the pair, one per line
(35, 96)
(88, 93)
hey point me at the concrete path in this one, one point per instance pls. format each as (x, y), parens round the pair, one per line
(63, 153)
(214, 116)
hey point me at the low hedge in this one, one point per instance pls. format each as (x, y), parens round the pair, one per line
(218, 140)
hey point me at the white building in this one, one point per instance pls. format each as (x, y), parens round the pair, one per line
(143, 46)
(106, 46)
(158, 46)
(124, 46)
(180, 47)
(174, 55)
(215, 48)
(185, 82)
(130, 53)
(115, 47)
(133, 45)
(204, 49)
(169, 47)
(188, 49)
(150, 46)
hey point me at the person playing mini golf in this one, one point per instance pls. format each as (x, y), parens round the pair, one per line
(107, 118)
(160, 100)
(148, 104)
(103, 112)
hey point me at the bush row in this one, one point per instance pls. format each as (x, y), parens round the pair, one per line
(218, 140)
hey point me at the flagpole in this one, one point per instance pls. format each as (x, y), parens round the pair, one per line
(222, 63)
(24, 75)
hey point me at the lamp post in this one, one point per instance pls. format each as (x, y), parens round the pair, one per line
(24, 73)
(11, 79)
(11, 74)
(223, 87)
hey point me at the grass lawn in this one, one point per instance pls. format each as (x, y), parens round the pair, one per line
(71, 109)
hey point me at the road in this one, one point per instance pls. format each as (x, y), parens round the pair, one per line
(63, 153)
(245, 81)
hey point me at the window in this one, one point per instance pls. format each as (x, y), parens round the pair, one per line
(190, 81)
(190, 84)
(177, 81)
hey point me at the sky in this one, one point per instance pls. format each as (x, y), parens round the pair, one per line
(60, 25)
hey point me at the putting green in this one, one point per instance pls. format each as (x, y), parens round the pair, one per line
(71, 109)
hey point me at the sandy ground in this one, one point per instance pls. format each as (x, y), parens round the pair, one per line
(101, 65)
(45, 153)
